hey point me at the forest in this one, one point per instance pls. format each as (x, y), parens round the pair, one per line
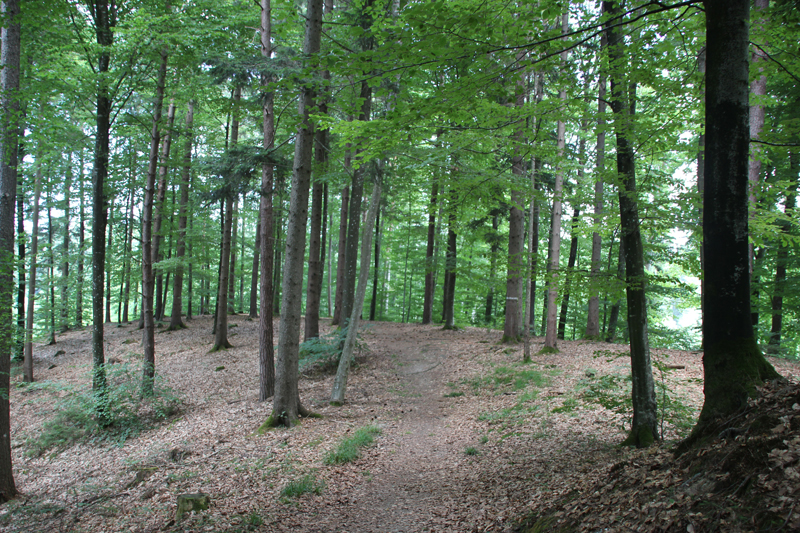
(547, 172)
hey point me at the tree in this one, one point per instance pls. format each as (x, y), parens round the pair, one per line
(286, 407)
(37, 191)
(9, 143)
(732, 363)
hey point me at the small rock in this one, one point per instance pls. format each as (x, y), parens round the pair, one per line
(51, 367)
(59, 352)
(188, 503)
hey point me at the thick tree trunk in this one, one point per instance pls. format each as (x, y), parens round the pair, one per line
(430, 271)
(148, 251)
(286, 407)
(180, 252)
(733, 363)
(9, 138)
(644, 426)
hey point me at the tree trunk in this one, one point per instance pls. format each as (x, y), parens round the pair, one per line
(81, 251)
(253, 312)
(180, 252)
(614, 313)
(20, 334)
(733, 363)
(314, 284)
(430, 271)
(340, 382)
(221, 330)
(781, 261)
(494, 248)
(9, 139)
(286, 406)
(374, 301)
(27, 365)
(166, 141)
(644, 426)
(65, 249)
(593, 315)
(353, 225)
(341, 251)
(266, 356)
(451, 263)
(108, 270)
(573, 254)
(148, 248)
(127, 265)
(232, 271)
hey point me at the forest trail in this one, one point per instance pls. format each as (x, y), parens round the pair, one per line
(471, 438)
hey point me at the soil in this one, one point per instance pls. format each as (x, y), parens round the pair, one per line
(470, 440)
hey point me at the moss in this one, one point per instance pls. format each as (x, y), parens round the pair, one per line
(511, 339)
(336, 404)
(547, 350)
(640, 436)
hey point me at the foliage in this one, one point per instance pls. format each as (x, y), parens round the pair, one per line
(323, 352)
(349, 449)
(126, 413)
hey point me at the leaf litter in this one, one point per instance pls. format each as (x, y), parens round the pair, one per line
(470, 440)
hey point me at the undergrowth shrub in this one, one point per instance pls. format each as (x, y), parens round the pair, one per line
(304, 485)
(125, 411)
(349, 449)
(323, 352)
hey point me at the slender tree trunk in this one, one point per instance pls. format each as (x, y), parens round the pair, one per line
(180, 253)
(430, 271)
(340, 382)
(340, 256)
(374, 301)
(109, 266)
(593, 315)
(129, 247)
(781, 262)
(9, 142)
(614, 313)
(327, 244)
(354, 224)
(20, 339)
(535, 210)
(221, 330)
(253, 312)
(148, 248)
(81, 250)
(314, 284)
(494, 248)
(232, 272)
(451, 263)
(65, 249)
(644, 426)
(286, 404)
(266, 356)
(160, 205)
(27, 365)
(573, 254)
(555, 229)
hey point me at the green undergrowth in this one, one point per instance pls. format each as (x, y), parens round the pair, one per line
(349, 448)
(504, 379)
(307, 484)
(323, 353)
(73, 416)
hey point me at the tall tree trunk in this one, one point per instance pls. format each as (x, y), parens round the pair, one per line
(9, 139)
(494, 248)
(221, 330)
(160, 205)
(129, 247)
(20, 193)
(109, 266)
(430, 271)
(781, 261)
(65, 249)
(644, 426)
(555, 226)
(614, 313)
(177, 289)
(81, 250)
(573, 254)
(374, 301)
(593, 315)
(341, 253)
(286, 406)
(354, 223)
(27, 365)
(253, 312)
(148, 255)
(314, 284)
(232, 271)
(451, 263)
(733, 363)
(340, 382)
(266, 356)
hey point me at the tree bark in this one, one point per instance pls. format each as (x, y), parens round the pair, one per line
(148, 255)
(340, 382)
(341, 252)
(451, 263)
(27, 365)
(180, 252)
(166, 142)
(65, 248)
(286, 407)
(9, 143)
(733, 364)
(81, 250)
(108, 272)
(373, 304)
(613, 318)
(573, 254)
(593, 314)
(644, 426)
(221, 330)
(430, 271)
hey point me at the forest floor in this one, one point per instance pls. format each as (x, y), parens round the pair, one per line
(467, 439)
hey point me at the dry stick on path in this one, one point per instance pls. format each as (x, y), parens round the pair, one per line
(340, 382)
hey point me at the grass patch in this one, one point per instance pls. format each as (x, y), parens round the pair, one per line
(471, 451)
(508, 378)
(454, 394)
(126, 412)
(349, 449)
(307, 484)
